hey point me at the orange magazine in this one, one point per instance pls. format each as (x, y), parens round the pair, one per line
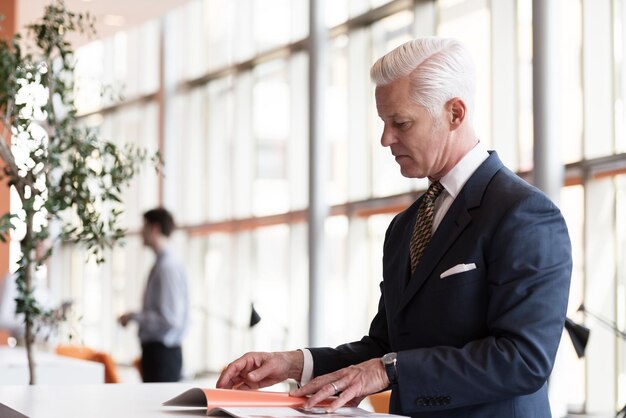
(220, 398)
(261, 404)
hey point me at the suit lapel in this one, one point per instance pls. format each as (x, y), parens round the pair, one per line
(454, 222)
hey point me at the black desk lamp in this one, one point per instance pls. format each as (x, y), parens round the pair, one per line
(255, 318)
(580, 335)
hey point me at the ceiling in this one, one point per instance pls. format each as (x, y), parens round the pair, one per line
(111, 15)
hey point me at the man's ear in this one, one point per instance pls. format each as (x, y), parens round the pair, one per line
(456, 112)
(157, 230)
(154, 229)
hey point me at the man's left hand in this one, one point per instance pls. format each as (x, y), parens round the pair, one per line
(354, 383)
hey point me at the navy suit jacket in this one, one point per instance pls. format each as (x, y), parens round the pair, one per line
(479, 343)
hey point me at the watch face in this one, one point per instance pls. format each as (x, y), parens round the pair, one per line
(389, 358)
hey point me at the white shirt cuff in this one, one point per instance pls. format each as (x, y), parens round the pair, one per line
(307, 368)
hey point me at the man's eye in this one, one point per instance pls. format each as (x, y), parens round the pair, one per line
(402, 124)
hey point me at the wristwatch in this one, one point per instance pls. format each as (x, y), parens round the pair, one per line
(389, 363)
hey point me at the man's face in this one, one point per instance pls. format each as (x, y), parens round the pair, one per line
(147, 233)
(420, 146)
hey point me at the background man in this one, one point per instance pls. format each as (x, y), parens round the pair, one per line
(164, 316)
(476, 272)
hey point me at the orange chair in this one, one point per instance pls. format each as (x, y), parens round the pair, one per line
(380, 401)
(75, 351)
(4, 337)
(86, 353)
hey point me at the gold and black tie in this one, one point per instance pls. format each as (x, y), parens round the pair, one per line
(423, 229)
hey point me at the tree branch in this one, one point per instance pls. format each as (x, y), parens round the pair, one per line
(11, 168)
(5, 150)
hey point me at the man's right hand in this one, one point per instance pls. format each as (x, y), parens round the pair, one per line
(257, 370)
(124, 319)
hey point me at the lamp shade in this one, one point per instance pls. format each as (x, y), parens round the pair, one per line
(579, 335)
(255, 318)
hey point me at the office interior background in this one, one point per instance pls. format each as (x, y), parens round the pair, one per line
(222, 88)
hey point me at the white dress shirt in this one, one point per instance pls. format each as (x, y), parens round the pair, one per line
(165, 314)
(454, 181)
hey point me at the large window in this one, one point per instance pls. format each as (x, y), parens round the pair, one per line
(233, 128)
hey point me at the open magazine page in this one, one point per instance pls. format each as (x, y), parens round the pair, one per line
(282, 412)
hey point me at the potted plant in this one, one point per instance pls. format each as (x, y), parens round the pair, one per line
(67, 178)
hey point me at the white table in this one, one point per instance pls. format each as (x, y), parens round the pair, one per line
(50, 368)
(141, 400)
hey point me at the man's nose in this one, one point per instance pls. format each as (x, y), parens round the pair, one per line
(387, 138)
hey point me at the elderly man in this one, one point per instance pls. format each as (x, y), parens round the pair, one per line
(476, 272)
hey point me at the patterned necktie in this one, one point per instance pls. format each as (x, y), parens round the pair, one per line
(423, 229)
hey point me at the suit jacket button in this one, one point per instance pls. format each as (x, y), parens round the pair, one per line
(420, 402)
(447, 400)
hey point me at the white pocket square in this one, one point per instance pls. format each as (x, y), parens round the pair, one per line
(459, 268)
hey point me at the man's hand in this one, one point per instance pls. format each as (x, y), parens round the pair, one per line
(124, 319)
(354, 383)
(257, 370)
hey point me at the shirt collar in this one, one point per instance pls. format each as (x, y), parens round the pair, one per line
(454, 181)
(164, 252)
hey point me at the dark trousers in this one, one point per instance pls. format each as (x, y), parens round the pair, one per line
(160, 363)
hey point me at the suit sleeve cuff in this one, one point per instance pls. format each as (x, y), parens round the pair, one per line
(307, 368)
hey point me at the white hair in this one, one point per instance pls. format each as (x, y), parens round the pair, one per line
(440, 69)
